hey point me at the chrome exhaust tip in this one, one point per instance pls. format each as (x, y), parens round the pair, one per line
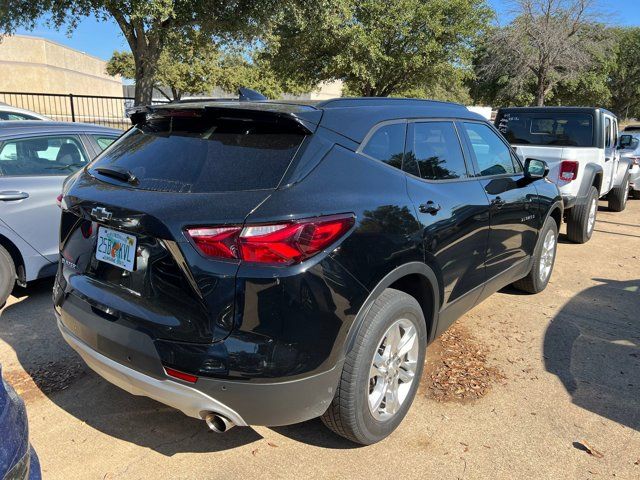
(218, 423)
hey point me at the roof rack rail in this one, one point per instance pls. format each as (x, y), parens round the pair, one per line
(382, 101)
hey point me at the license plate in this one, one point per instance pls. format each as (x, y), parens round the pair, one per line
(116, 248)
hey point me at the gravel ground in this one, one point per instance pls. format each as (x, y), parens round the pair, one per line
(548, 386)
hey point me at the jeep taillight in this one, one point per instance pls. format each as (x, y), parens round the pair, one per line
(283, 243)
(568, 170)
(634, 161)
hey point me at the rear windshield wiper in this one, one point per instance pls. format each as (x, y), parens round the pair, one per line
(119, 174)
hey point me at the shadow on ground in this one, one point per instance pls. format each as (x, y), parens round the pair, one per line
(593, 346)
(29, 327)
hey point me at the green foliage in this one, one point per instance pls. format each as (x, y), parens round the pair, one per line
(378, 48)
(624, 77)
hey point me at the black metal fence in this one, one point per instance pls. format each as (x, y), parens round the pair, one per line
(107, 111)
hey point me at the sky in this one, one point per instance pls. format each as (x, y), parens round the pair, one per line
(100, 39)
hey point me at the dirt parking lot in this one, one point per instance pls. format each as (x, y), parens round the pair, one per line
(557, 374)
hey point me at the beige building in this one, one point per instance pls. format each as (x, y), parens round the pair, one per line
(32, 64)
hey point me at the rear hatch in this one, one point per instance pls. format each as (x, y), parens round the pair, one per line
(125, 256)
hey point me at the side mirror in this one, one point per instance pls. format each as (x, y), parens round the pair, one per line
(534, 168)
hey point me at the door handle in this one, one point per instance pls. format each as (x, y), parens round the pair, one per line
(497, 202)
(429, 207)
(9, 195)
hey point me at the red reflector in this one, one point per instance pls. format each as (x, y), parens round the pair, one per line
(181, 375)
(276, 244)
(569, 170)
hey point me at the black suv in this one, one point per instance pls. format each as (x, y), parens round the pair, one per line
(267, 263)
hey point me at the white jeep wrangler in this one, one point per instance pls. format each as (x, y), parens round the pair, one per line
(579, 146)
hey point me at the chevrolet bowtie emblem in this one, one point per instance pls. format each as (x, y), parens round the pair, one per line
(101, 214)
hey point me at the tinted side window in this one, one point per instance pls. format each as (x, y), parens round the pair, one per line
(436, 149)
(607, 132)
(54, 155)
(492, 155)
(387, 144)
(15, 116)
(104, 142)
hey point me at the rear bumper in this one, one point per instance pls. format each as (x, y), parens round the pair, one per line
(569, 201)
(244, 403)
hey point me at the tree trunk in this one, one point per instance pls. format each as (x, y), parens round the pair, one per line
(145, 71)
(540, 90)
(175, 93)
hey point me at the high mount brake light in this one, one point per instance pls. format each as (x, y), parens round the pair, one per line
(274, 244)
(569, 170)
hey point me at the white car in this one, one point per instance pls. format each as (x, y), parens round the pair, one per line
(579, 144)
(629, 147)
(7, 112)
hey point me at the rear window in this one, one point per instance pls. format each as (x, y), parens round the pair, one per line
(202, 155)
(568, 130)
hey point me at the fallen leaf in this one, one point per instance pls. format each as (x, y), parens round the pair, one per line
(585, 447)
(271, 444)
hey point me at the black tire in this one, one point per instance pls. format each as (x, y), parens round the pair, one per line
(533, 282)
(578, 229)
(635, 194)
(7, 275)
(349, 414)
(618, 196)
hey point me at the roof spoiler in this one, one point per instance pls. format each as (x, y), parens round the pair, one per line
(138, 114)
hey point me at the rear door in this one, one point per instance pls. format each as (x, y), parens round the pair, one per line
(513, 200)
(32, 170)
(452, 208)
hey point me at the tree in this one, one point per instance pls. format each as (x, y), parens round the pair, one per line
(549, 42)
(148, 24)
(377, 48)
(195, 68)
(189, 63)
(624, 78)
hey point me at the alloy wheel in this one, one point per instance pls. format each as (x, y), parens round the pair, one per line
(547, 255)
(393, 369)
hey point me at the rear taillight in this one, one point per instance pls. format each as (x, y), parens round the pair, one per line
(58, 200)
(634, 161)
(568, 170)
(276, 244)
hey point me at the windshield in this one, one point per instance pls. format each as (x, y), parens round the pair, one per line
(201, 155)
(569, 130)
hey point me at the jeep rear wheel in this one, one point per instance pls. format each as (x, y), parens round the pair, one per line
(381, 372)
(619, 195)
(7, 275)
(581, 219)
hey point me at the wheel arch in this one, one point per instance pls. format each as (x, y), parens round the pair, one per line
(593, 175)
(414, 278)
(556, 212)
